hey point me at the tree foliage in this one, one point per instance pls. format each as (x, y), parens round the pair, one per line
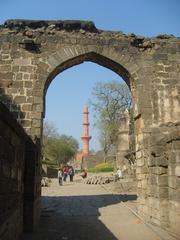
(110, 100)
(58, 148)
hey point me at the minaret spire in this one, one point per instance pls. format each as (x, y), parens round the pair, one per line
(85, 137)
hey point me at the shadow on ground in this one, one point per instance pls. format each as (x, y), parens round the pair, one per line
(75, 217)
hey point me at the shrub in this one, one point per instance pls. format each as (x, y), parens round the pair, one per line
(102, 167)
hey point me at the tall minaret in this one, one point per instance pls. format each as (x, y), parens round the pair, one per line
(85, 137)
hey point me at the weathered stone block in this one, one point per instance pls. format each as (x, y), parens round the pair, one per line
(42, 67)
(174, 194)
(151, 161)
(33, 76)
(171, 169)
(161, 161)
(5, 56)
(19, 76)
(163, 192)
(22, 61)
(52, 61)
(26, 123)
(174, 222)
(35, 123)
(20, 99)
(5, 68)
(173, 156)
(144, 184)
(177, 171)
(28, 84)
(176, 145)
(38, 108)
(26, 107)
(139, 184)
(18, 84)
(140, 162)
(26, 76)
(158, 170)
(172, 182)
(162, 74)
(151, 179)
(30, 99)
(162, 180)
(27, 69)
(6, 75)
(141, 170)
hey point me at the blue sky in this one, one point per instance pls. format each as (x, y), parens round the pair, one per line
(65, 98)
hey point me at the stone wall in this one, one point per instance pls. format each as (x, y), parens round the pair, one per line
(173, 157)
(32, 186)
(32, 54)
(159, 178)
(13, 182)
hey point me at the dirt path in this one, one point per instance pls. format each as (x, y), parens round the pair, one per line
(76, 211)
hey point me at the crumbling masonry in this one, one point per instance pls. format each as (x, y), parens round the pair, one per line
(32, 53)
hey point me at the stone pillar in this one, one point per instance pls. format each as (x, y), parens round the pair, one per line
(123, 141)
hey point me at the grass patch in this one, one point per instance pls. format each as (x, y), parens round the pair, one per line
(102, 167)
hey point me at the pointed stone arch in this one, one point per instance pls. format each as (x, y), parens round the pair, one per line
(70, 56)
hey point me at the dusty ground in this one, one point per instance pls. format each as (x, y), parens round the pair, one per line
(77, 211)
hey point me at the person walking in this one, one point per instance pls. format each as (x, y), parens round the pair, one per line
(65, 173)
(60, 176)
(71, 173)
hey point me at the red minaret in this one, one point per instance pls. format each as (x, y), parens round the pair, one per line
(85, 137)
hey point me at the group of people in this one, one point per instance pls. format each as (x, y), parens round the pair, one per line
(66, 171)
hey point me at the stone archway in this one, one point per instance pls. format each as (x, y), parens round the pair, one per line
(34, 52)
(89, 56)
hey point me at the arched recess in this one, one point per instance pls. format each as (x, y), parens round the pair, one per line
(94, 57)
(99, 59)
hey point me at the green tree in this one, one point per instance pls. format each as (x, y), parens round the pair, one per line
(110, 100)
(58, 148)
(49, 131)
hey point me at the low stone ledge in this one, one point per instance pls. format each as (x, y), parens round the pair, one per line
(99, 179)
